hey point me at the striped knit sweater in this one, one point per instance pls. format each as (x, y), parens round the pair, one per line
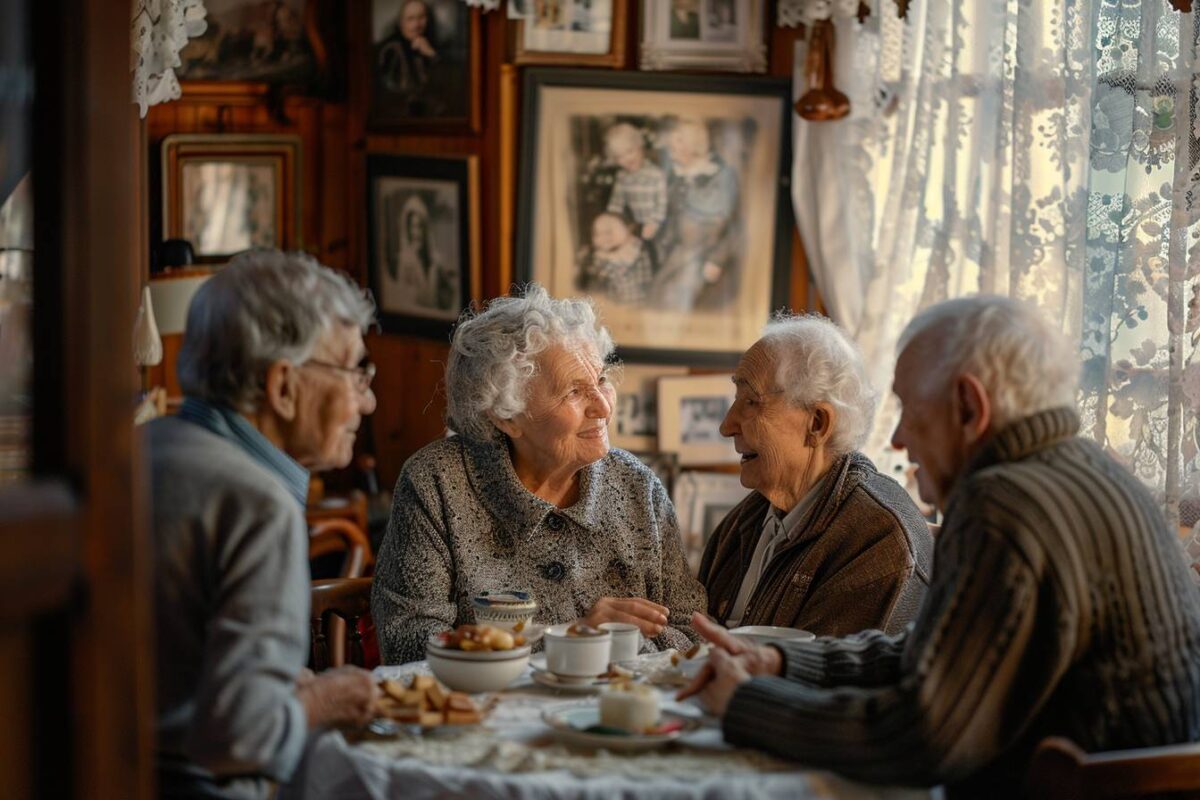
(1059, 606)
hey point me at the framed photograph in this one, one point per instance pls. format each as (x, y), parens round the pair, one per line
(250, 40)
(584, 32)
(425, 65)
(690, 411)
(703, 34)
(702, 499)
(226, 193)
(422, 229)
(664, 198)
(634, 425)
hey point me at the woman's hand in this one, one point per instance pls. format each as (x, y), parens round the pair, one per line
(735, 656)
(650, 618)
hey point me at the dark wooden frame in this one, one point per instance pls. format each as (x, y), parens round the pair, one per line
(281, 152)
(615, 57)
(780, 89)
(464, 171)
(472, 123)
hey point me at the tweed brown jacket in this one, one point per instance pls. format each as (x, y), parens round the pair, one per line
(861, 559)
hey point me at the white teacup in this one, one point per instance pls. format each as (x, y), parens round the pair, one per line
(626, 640)
(576, 656)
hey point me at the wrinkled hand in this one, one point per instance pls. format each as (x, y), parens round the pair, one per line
(650, 617)
(342, 696)
(422, 46)
(739, 657)
(649, 229)
(711, 272)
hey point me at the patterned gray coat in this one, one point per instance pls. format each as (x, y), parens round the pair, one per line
(462, 522)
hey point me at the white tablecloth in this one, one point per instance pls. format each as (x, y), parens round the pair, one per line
(514, 755)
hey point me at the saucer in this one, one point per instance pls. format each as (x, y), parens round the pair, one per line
(566, 683)
(572, 722)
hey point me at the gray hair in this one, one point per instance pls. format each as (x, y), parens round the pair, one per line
(493, 355)
(1024, 362)
(816, 362)
(266, 305)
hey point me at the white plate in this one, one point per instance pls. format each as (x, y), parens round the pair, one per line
(568, 721)
(765, 634)
(545, 677)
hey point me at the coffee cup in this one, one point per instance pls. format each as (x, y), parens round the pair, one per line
(626, 640)
(577, 656)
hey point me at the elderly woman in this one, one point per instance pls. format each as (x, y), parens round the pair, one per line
(824, 542)
(528, 494)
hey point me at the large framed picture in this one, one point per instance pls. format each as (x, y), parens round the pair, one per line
(703, 34)
(422, 229)
(690, 412)
(634, 425)
(425, 65)
(664, 198)
(226, 193)
(583, 32)
(702, 500)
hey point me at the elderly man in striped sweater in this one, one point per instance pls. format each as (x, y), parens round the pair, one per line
(1059, 602)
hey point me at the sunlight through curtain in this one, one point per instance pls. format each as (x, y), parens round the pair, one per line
(1043, 149)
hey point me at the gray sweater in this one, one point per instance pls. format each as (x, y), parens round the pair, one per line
(231, 600)
(462, 522)
(1059, 605)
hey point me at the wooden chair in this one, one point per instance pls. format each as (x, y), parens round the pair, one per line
(1061, 770)
(348, 600)
(342, 536)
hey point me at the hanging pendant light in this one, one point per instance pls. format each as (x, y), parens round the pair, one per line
(822, 101)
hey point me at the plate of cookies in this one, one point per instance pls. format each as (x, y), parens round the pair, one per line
(423, 701)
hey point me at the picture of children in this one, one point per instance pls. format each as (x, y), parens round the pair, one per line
(640, 187)
(617, 264)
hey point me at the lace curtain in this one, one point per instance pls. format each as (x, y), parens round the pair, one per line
(1044, 149)
(158, 30)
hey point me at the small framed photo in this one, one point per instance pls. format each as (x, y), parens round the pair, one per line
(703, 34)
(690, 412)
(702, 500)
(634, 425)
(663, 197)
(583, 32)
(422, 229)
(425, 65)
(226, 193)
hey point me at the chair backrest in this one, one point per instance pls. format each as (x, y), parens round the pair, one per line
(342, 535)
(1061, 770)
(345, 599)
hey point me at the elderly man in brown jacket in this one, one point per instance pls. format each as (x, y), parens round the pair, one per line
(824, 542)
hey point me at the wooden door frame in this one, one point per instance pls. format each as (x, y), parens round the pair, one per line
(74, 537)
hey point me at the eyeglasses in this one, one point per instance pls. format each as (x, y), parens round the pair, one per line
(362, 376)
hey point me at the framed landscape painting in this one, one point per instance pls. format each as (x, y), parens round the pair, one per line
(664, 198)
(422, 230)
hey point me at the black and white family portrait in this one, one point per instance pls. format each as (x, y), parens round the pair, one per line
(703, 20)
(700, 419)
(658, 208)
(420, 61)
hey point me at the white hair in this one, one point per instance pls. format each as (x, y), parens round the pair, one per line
(266, 305)
(1024, 362)
(816, 362)
(493, 355)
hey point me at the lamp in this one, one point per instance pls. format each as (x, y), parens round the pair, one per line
(147, 344)
(172, 296)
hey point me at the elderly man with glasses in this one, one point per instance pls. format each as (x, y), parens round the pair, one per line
(272, 368)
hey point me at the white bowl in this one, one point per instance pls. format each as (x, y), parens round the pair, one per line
(576, 656)
(475, 671)
(766, 634)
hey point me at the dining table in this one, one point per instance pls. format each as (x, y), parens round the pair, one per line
(514, 754)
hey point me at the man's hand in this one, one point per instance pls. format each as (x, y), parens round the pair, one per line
(422, 46)
(650, 617)
(726, 674)
(342, 696)
(746, 658)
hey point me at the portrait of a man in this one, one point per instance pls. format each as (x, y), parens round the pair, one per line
(420, 61)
